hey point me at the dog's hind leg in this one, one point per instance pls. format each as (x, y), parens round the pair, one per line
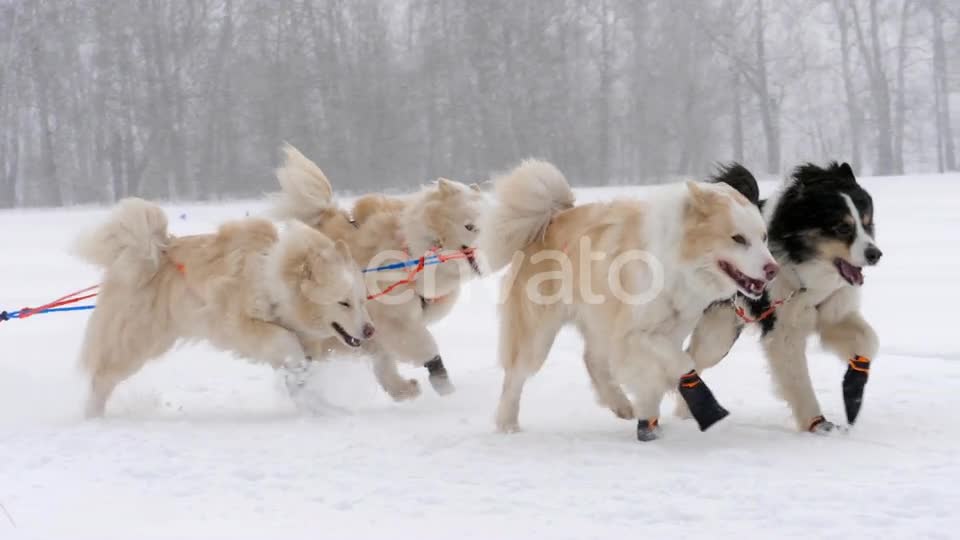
(635, 366)
(649, 364)
(524, 347)
(117, 345)
(608, 391)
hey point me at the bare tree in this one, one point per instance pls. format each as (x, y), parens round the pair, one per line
(190, 99)
(946, 157)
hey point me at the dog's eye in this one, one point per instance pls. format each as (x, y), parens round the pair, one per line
(843, 229)
(470, 227)
(738, 238)
(345, 304)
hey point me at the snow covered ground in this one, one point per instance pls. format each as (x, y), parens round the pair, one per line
(202, 446)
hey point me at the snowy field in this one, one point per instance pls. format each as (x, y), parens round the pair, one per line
(201, 446)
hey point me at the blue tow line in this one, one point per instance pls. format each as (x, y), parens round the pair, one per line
(427, 261)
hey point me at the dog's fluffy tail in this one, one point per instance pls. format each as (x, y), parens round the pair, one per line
(306, 194)
(527, 198)
(129, 246)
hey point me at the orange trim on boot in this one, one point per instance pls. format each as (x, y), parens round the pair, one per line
(860, 363)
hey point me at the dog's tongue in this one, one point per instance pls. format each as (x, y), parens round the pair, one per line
(850, 272)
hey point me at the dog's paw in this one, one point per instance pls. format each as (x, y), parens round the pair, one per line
(508, 427)
(409, 389)
(822, 426)
(648, 430)
(441, 385)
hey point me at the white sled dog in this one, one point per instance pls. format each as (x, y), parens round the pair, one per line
(634, 276)
(263, 295)
(442, 217)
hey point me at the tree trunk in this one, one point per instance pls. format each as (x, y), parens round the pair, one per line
(942, 90)
(900, 110)
(48, 165)
(769, 108)
(854, 115)
(879, 88)
(737, 120)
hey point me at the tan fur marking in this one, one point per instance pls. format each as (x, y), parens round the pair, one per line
(706, 223)
(832, 249)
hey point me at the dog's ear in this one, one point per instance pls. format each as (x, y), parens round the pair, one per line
(344, 250)
(847, 171)
(701, 199)
(447, 187)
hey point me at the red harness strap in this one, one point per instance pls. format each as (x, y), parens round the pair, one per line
(71, 298)
(742, 313)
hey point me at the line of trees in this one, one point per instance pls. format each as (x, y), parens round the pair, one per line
(190, 99)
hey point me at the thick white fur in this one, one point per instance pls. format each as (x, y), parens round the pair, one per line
(685, 229)
(305, 190)
(247, 289)
(382, 229)
(132, 245)
(527, 199)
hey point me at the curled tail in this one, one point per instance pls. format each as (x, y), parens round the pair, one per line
(129, 246)
(527, 198)
(306, 194)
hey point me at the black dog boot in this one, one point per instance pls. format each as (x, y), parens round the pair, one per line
(703, 406)
(858, 371)
(439, 379)
(648, 430)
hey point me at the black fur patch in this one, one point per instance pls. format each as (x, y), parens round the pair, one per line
(811, 210)
(757, 307)
(739, 178)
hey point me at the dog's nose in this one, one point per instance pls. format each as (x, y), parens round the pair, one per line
(770, 270)
(872, 254)
(368, 330)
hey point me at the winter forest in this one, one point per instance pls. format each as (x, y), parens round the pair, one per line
(190, 99)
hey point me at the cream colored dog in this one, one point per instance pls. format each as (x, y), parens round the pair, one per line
(441, 218)
(265, 296)
(634, 276)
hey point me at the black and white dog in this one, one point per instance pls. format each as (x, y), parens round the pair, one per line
(821, 231)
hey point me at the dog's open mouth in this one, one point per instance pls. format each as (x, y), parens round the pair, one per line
(852, 274)
(747, 285)
(347, 338)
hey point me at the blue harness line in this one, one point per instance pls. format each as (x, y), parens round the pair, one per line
(427, 261)
(55, 307)
(4, 315)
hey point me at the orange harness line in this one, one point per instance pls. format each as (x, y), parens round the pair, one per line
(72, 298)
(82, 294)
(742, 313)
(421, 264)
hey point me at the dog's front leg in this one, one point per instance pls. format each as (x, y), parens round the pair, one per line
(412, 340)
(845, 332)
(648, 364)
(711, 341)
(385, 370)
(785, 347)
